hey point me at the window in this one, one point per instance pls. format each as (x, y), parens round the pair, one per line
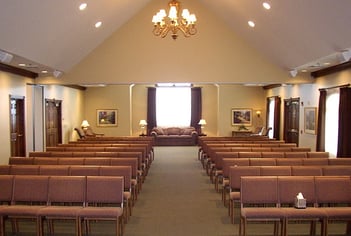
(332, 122)
(271, 116)
(173, 106)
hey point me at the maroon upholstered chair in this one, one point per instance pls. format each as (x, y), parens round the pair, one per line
(29, 196)
(235, 174)
(63, 190)
(126, 173)
(275, 170)
(335, 191)
(289, 187)
(336, 170)
(107, 193)
(21, 160)
(84, 170)
(6, 186)
(262, 192)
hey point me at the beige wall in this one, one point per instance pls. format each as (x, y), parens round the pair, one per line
(109, 97)
(217, 102)
(214, 55)
(309, 95)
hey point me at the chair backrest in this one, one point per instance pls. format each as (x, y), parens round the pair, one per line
(315, 161)
(290, 186)
(30, 188)
(54, 170)
(45, 161)
(6, 186)
(272, 154)
(295, 155)
(21, 160)
(339, 161)
(105, 189)
(306, 170)
(24, 170)
(71, 161)
(98, 161)
(250, 154)
(259, 190)
(289, 161)
(333, 189)
(236, 172)
(84, 170)
(228, 162)
(5, 169)
(275, 170)
(317, 154)
(262, 161)
(125, 171)
(70, 189)
(336, 170)
(133, 162)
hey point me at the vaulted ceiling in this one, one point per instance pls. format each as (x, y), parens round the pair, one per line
(293, 34)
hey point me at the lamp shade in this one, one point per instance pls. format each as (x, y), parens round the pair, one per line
(202, 122)
(142, 123)
(85, 124)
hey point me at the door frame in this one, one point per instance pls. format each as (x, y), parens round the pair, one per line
(20, 125)
(289, 100)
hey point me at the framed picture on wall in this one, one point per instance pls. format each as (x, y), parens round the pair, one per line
(242, 116)
(106, 117)
(310, 120)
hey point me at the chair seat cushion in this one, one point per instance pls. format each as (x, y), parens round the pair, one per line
(338, 212)
(101, 212)
(262, 212)
(234, 195)
(21, 210)
(60, 211)
(307, 213)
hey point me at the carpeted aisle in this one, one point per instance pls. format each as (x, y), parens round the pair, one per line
(178, 199)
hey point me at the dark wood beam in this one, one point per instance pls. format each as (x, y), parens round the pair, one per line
(331, 70)
(271, 86)
(18, 71)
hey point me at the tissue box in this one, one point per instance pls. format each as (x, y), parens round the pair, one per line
(300, 203)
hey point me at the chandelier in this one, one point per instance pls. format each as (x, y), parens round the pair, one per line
(174, 23)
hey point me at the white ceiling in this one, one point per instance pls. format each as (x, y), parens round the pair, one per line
(56, 35)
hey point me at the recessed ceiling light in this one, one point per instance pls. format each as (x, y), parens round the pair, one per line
(98, 24)
(83, 6)
(251, 23)
(22, 64)
(266, 5)
(326, 63)
(304, 70)
(44, 71)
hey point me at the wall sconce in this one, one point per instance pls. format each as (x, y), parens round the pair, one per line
(202, 123)
(258, 114)
(142, 124)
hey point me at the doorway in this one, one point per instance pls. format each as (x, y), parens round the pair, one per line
(53, 124)
(291, 120)
(17, 127)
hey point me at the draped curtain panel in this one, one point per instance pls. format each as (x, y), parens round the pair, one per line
(320, 147)
(344, 139)
(277, 108)
(151, 109)
(196, 108)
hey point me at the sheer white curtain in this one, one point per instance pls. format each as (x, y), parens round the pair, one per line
(332, 122)
(173, 106)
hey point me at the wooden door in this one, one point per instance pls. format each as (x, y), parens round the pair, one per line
(53, 124)
(17, 127)
(291, 120)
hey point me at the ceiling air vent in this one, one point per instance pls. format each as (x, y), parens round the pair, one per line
(5, 57)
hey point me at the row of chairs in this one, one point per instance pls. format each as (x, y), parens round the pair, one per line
(50, 198)
(236, 172)
(129, 194)
(272, 199)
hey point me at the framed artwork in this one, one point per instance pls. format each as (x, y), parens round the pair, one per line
(310, 120)
(242, 116)
(106, 117)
